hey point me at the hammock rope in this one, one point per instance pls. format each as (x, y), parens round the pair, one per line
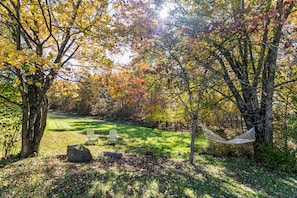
(248, 136)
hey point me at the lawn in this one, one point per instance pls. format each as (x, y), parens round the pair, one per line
(165, 174)
(63, 130)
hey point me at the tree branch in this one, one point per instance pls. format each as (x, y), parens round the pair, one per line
(18, 21)
(284, 83)
(10, 101)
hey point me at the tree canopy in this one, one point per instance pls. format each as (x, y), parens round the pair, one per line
(38, 38)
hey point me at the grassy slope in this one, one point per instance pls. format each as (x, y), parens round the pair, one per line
(63, 130)
(135, 175)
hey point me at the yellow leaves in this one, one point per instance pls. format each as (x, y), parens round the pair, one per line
(50, 77)
(51, 56)
(1, 62)
(38, 84)
(18, 64)
(16, 81)
(116, 5)
(32, 69)
(56, 67)
(13, 58)
(107, 62)
(90, 17)
(112, 92)
(25, 60)
(62, 88)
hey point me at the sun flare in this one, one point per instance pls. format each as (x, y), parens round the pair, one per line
(164, 13)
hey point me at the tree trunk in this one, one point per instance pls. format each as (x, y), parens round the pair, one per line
(193, 137)
(195, 120)
(35, 107)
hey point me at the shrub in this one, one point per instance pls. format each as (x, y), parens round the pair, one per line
(239, 150)
(285, 135)
(10, 125)
(277, 158)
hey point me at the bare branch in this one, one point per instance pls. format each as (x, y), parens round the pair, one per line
(284, 83)
(71, 55)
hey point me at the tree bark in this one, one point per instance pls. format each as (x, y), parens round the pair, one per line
(193, 137)
(195, 117)
(35, 108)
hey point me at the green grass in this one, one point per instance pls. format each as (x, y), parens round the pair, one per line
(133, 140)
(167, 174)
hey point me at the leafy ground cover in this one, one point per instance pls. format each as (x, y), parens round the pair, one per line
(165, 174)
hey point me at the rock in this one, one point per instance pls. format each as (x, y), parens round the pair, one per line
(78, 153)
(113, 155)
(149, 153)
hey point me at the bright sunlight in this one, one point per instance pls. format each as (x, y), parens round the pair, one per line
(164, 13)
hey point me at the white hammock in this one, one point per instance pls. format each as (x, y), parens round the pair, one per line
(248, 136)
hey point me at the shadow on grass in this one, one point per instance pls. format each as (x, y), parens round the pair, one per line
(55, 115)
(139, 140)
(135, 176)
(144, 177)
(62, 130)
(11, 159)
(267, 182)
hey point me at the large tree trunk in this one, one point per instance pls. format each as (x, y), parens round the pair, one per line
(35, 107)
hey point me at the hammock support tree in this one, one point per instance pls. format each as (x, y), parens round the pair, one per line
(248, 136)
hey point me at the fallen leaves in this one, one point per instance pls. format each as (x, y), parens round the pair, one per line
(139, 176)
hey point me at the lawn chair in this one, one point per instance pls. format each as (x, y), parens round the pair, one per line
(112, 137)
(92, 138)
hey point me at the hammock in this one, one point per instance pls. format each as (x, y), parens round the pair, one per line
(248, 136)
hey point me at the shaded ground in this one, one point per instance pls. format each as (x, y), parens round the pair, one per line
(142, 176)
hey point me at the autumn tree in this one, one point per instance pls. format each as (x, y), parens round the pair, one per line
(244, 37)
(93, 96)
(246, 42)
(63, 95)
(285, 104)
(164, 47)
(238, 41)
(38, 38)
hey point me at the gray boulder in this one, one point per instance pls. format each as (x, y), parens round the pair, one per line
(114, 155)
(78, 153)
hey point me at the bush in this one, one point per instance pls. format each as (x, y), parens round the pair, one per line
(277, 159)
(10, 135)
(238, 150)
(285, 135)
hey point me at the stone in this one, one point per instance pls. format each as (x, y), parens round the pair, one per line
(149, 153)
(113, 154)
(78, 153)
